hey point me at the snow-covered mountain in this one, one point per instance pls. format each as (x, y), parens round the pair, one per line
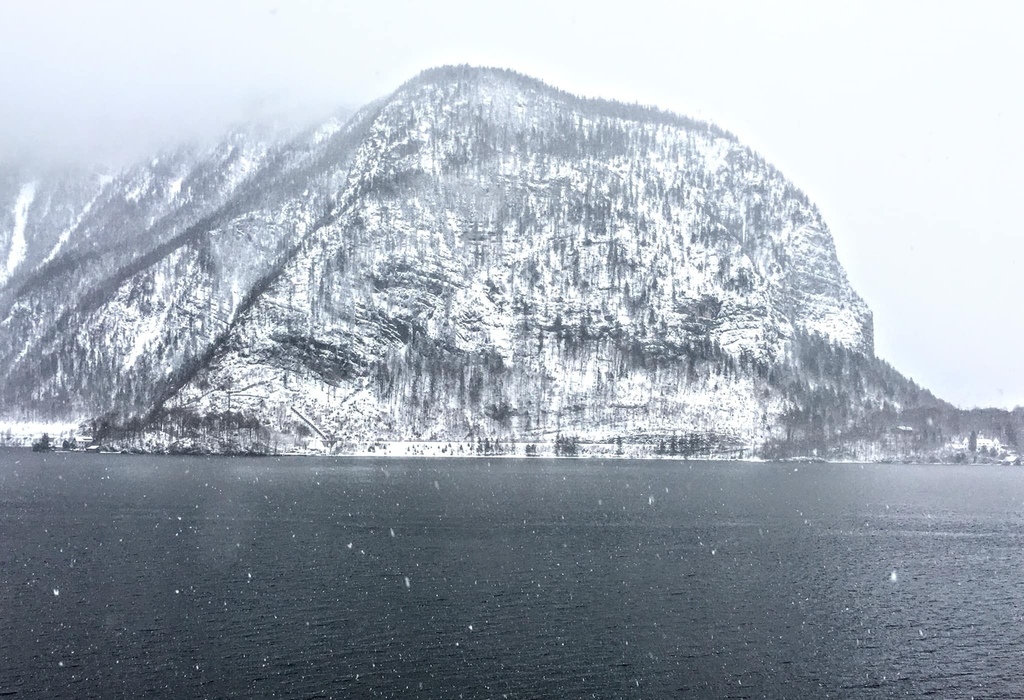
(476, 256)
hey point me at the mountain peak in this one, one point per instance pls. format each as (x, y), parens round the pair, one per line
(487, 76)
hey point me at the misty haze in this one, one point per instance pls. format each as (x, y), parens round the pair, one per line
(549, 352)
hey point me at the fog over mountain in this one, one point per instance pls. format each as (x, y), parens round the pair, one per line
(898, 122)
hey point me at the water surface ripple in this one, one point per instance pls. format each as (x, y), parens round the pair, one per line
(124, 576)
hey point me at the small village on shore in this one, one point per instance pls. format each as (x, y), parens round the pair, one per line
(973, 448)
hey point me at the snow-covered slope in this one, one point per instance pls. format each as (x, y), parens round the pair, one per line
(37, 209)
(139, 278)
(476, 256)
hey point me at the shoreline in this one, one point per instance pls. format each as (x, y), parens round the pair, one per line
(796, 461)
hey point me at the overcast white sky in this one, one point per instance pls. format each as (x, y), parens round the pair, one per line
(901, 120)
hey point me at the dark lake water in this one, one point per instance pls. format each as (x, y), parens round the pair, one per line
(317, 578)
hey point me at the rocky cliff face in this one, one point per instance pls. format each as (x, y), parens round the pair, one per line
(478, 255)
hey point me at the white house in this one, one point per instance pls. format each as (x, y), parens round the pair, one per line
(983, 442)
